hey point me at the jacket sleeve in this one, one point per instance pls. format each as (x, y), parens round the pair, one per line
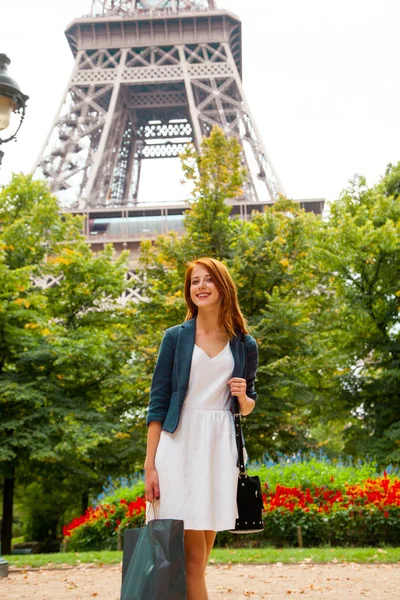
(251, 367)
(160, 391)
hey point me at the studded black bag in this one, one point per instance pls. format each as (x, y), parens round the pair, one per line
(249, 497)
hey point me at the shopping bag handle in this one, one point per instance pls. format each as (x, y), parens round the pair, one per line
(153, 502)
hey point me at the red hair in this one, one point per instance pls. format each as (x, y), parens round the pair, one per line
(230, 317)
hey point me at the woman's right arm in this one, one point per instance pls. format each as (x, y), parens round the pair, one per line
(152, 489)
(161, 384)
(160, 394)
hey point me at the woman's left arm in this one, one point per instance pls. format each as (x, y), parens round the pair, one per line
(244, 388)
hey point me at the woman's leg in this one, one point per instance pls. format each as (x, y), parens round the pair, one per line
(196, 560)
(210, 539)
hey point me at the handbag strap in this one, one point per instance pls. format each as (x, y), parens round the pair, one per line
(239, 438)
(238, 423)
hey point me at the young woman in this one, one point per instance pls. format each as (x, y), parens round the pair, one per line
(191, 470)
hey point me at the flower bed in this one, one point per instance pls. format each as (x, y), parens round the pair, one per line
(354, 514)
(362, 514)
(99, 527)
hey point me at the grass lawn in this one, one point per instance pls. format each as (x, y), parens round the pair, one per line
(222, 555)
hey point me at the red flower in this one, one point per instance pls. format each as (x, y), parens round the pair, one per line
(136, 507)
(118, 522)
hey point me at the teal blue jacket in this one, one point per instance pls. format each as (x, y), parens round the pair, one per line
(171, 375)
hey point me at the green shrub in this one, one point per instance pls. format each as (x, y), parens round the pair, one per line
(331, 503)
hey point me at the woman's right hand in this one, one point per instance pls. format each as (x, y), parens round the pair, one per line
(151, 485)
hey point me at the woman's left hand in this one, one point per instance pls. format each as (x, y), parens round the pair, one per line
(238, 388)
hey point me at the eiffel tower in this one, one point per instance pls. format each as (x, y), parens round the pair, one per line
(149, 77)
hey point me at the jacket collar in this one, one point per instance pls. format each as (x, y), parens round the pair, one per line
(185, 346)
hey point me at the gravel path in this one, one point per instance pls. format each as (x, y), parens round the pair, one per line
(304, 581)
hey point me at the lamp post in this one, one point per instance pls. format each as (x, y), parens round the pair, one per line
(12, 100)
(3, 566)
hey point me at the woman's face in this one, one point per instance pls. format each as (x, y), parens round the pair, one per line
(203, 291)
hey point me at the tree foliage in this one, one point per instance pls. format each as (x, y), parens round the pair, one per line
(269, 260)
(360, 250)
(321, 297)
(64, 349)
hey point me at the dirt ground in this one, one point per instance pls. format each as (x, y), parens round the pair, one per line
(304, 581)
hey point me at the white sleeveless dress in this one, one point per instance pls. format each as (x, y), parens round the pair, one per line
(196, 464)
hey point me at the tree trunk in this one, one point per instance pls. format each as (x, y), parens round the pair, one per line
(8, 500)
(85, 501)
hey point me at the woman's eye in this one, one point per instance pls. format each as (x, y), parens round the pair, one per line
(196, 281)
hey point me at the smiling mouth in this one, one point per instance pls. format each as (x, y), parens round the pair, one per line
(203, 295)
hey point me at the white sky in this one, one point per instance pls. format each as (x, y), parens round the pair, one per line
(321, 77)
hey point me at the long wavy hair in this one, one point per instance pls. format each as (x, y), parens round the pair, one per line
(230, 318)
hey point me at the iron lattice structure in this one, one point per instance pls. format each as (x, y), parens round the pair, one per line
(126, 7)
(133, 291)
(149, 77)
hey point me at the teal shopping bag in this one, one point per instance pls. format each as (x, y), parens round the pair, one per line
(153, 566)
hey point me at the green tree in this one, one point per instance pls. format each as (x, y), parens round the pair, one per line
(269, 257)
(64, 349)
(217, 175)
(27, 215)
(281, 297)
(359, 251)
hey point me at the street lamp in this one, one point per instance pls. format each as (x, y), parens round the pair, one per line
(12, 100)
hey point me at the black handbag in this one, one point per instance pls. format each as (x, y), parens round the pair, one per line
(249, 497)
